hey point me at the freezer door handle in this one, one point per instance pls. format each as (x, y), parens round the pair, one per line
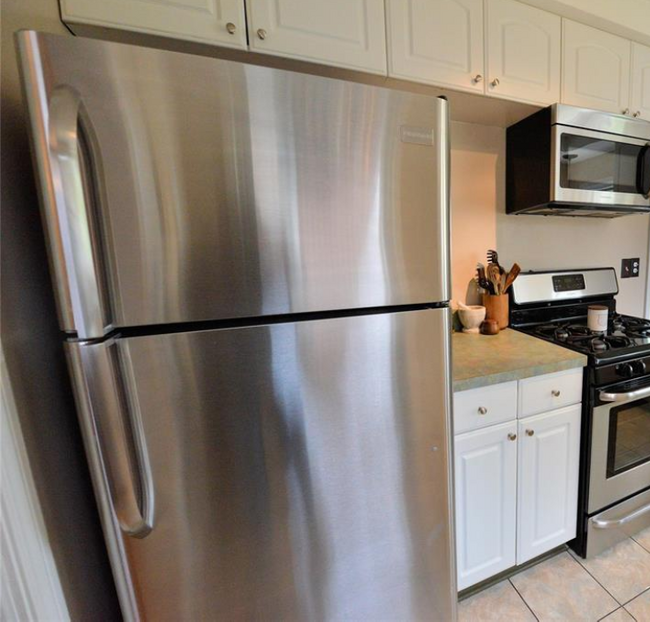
(73, 191)
(114, 434)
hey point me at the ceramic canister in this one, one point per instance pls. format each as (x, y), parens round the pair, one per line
(597, 318)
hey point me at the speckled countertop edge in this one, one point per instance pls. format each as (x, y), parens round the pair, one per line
(501, 365)
(519, 374)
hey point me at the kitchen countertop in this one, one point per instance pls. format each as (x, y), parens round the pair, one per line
(482, 360)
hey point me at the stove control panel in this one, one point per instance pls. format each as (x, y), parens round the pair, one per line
(627, 370)
(631, 370)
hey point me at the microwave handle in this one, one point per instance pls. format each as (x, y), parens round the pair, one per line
(643, 172)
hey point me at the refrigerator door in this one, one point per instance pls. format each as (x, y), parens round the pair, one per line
(180, 188)
(294, 471)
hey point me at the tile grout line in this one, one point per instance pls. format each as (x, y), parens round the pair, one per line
(577, 561)
(639, 543)
(629, 613)
(613, 612)
(523, 599)
(637, 596)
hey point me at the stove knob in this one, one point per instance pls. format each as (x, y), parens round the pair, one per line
(639, 367)
(626, 370)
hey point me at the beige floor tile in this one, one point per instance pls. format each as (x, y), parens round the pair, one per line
(623, 570)
(620, 615)
(561, 589)
(497, 603)
(643, 538)
(640, 607)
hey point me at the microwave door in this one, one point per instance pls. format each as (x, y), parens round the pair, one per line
(643, 172)
(599, 168)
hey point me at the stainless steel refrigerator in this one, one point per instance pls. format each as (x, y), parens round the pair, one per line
(251, 268)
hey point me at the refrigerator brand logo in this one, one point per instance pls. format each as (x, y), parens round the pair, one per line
(416, 135)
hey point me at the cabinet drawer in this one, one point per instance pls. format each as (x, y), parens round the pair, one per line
(543, 393)
(478, 408)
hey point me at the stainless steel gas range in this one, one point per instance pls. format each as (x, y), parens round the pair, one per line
(614, 496)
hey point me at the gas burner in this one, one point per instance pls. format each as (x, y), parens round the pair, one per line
(579, 330)
(598, 345)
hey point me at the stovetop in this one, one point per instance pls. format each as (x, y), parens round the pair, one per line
(626, 337)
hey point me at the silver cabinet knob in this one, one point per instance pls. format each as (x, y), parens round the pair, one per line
(482, 410)
(231, 28)
(556, 393)
(512, 437)
(626, 111)
(637, 114)
(530, 432)
(477, 78)
(495, 83)
(261, 33)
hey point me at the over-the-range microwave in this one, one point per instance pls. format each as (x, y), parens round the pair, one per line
(569, 161)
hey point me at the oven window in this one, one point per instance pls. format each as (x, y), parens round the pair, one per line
(598, 165)
(629, 437)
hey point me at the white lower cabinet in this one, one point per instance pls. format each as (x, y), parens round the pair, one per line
(516, 481)
(549, 451)
(486, 502)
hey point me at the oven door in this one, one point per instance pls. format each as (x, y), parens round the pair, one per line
(620, 444)
(599, 168)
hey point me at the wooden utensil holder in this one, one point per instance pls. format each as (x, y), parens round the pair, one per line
(496, 308)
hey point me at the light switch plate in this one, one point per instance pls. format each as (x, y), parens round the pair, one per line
(630, 268)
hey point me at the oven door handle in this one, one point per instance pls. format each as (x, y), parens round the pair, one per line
(625, 397)
(619, 522)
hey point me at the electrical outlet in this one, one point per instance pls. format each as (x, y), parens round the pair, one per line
(630, 268)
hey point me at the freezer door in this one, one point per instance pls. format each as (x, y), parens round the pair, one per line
(296, 471)
(179, 188)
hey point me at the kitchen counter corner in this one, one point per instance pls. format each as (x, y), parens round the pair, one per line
(482, 360)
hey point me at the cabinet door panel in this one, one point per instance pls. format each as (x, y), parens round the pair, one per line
(523, 52)
(207, 21)
(641, 81)
(596, 68)
(486, 480)
(347, 33)
(549, 449)
(437, 42)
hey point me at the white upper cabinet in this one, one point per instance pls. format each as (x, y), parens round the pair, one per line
(549, 450)
(523, 52)
(640, 102)
(486, 502)
(596, 68)
(346, 33)
(437, 42)
(220, 22)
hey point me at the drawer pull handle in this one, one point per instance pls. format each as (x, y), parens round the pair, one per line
(482, 410)
(512, 437)
(556, 393)
(231, 28)
(530, 432)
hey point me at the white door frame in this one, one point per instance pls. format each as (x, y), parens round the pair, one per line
(31, 589)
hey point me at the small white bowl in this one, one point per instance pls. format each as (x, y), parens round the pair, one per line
(471, 318)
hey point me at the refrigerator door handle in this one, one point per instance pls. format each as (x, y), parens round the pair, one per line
(75, 234)
(114, 435)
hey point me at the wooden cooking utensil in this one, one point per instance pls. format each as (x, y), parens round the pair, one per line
(494, 276)
(512, 275)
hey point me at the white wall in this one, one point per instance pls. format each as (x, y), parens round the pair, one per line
(535, 242)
